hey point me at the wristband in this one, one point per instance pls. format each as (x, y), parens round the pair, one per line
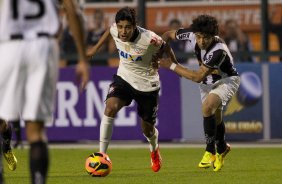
(172, 66)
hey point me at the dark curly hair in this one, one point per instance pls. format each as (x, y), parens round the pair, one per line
(205, 24)
(128, 14)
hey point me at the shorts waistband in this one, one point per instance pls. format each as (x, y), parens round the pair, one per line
(21, 36)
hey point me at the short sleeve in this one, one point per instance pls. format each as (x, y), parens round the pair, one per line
(183, 34)
(214, 59)
(113, 30)
(156, 40)
(187, 35)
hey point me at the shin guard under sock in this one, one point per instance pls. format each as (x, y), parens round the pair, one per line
(7, 136)
(220, 138)
(210, 132)
(39, 161)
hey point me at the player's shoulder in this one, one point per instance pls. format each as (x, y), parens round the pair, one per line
(113, 27)
(219, 44)
(149, 37)
(113, 30)
(145, 33)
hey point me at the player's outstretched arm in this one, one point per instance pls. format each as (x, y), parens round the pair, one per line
(169, 35)
(194, 75)
(170, 53)
(93, 50)
(164, 50)
(75, 22)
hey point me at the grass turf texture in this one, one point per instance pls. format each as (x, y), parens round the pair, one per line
(132, 166)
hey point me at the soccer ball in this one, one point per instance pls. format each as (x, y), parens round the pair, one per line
(98, 164)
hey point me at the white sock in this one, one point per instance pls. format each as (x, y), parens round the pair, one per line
(106, 130)
(153, 141)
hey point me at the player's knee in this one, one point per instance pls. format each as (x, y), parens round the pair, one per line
(207, 110)
(147, 128)
(111, 110)
(3, 126)
(35, 131)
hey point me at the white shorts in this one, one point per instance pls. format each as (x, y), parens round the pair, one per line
(28, 76)
(224, 88)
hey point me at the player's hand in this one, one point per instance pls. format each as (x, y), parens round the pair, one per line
(90, 52)
(165, 62)
(155, 61)
(83, 74)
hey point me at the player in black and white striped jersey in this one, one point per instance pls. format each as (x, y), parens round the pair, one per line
(218, 80)
(29, 67)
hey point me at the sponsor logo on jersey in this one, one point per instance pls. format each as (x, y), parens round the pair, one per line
(155, 84)
(137, 49)
(127, 48)
(183, 36)
(129, 57)
(208, 57)
(111, 89)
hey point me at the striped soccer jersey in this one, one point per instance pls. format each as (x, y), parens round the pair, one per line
(216, 56)
(25, 19)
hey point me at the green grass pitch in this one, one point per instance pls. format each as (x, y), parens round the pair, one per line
(132, 166)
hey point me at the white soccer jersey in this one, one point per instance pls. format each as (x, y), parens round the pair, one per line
(135, 59)
(27, 19)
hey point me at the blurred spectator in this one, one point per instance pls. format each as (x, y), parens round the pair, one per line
(68, 52)
(67, 48)
(237, 42)
(98, 1)
(95, 33)
(275, 27)
(177, 45)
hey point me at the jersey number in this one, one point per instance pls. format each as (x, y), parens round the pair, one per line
(40, 13)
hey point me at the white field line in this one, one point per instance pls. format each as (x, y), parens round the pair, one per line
(139, 144)
(95, 146)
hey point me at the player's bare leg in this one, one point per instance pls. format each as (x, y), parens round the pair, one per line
(151, 134)
(6, 132)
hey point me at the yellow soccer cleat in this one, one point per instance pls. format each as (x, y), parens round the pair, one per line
(11, 160)
(219, 162)
(207, 160)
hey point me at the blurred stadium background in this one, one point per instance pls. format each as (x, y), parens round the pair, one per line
(255, 40)
(253, 31)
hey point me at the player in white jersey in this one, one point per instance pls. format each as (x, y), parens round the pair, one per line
(29, 67)
(218, 80)
(136, 79)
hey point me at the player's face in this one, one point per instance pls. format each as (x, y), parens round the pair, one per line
(203, 40)
(125, 30)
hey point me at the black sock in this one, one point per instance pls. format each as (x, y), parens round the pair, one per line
(1, 168)
(7, 135)
(210, 132)
(39, 161)
(17, 129)
(220, 138)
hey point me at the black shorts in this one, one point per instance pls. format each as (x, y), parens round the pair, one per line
(147, 102)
